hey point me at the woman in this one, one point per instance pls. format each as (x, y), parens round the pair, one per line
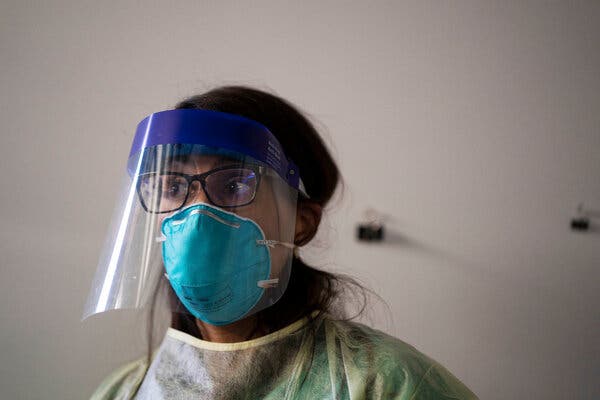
(220, 192)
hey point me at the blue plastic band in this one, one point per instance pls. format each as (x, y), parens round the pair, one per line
(215, 129)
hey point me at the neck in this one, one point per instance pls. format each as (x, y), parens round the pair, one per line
(238, 331)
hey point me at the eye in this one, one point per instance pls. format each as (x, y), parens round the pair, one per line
(173, 187)
(231, 187)
(237, 187)
(149, 184)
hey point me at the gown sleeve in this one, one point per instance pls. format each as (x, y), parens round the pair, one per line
(377, 366)
(439, 384)
(122, 384)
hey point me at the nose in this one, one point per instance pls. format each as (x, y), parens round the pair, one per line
(196, 194)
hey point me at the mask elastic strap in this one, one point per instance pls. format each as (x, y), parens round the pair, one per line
(268, 283)
(273, 243)
(271, 283)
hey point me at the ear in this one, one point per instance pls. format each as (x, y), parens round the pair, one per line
(308, 217)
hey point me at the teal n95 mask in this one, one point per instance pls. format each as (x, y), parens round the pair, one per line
(215, 286)
(208, 207)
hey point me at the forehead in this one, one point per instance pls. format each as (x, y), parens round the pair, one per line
(198, 163)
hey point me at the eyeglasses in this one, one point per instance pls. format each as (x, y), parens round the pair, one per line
(229, 186)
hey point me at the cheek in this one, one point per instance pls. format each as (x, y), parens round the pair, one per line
(265, 212)
(159, 220)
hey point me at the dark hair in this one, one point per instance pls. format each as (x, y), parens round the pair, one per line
(309, 289)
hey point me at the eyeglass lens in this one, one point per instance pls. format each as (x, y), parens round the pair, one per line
(167, 191)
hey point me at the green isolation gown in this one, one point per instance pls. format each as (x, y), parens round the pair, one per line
(321, 359)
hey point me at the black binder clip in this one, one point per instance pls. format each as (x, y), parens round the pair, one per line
(583, 220)
(372, 229)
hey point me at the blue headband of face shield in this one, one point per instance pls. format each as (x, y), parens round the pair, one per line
(214, 129)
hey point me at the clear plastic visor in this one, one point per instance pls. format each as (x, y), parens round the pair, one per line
(201, 219)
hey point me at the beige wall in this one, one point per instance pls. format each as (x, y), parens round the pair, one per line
(474, 125)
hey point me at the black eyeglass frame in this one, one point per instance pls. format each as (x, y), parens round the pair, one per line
(259, 170)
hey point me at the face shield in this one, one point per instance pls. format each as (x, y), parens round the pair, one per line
(209, 205)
